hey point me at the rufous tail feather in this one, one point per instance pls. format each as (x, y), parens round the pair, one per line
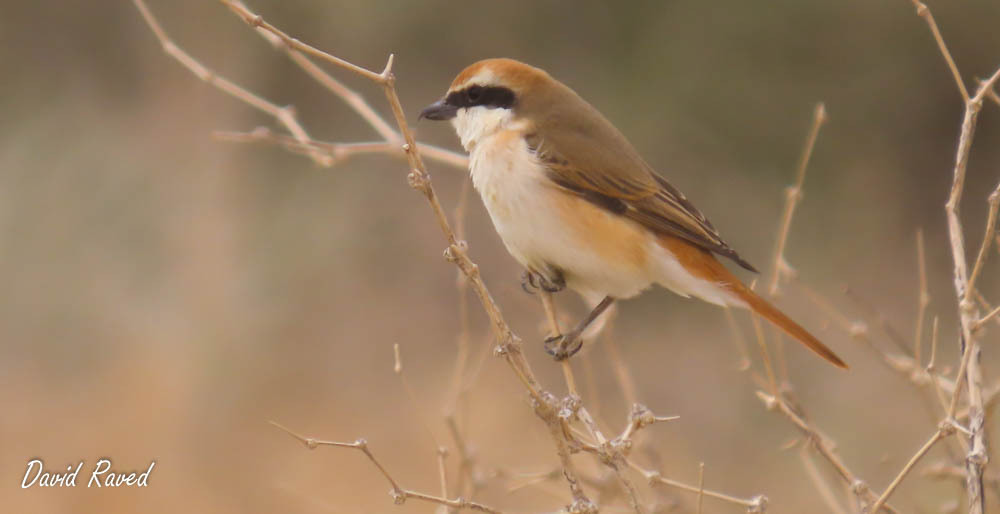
(771, 313)
(701, 263)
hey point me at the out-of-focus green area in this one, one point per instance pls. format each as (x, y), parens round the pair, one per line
(166, 294)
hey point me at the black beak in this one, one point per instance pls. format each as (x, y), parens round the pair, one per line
(438, 111)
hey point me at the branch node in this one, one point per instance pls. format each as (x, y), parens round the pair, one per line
(569, 407)
(977, 456)
(758, 504)
(642, 416)
(418, 180)
(544, 404)
(793, 193)
(770, 402)
(582, 506)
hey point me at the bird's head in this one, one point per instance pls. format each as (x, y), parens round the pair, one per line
(489, 96)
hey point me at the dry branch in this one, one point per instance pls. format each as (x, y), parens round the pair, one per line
(825, 448)
(793, 194)
(323, 154)
(399, 494)
(968, 313)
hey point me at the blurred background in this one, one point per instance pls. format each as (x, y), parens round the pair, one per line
(166, 294)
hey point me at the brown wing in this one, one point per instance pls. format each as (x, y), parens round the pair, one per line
(620, 181)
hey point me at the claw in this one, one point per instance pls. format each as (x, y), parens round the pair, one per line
(532, 281)
(529, 282)
(559, 346)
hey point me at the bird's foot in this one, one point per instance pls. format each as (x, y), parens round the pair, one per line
(529, 282)
(552, 286)
(532, 281)
(563, 346)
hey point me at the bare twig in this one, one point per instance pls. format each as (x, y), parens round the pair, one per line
(934, 339)
(399, 494)
(701, 485)
(622, 373)
(793, 194)
(925, 13)
(337, 152)
(738, 340)
(825, 448)
(984, 247)
(968, 313)
(827, 494)
(757, 502)
(323, 154)
(412, 396)
(442, 454)
(943, 431)
(924, 297)
(985, 319)
(764, 354)
(992, 95)
(284, 115)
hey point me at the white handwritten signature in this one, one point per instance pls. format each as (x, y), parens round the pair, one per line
(101, 476)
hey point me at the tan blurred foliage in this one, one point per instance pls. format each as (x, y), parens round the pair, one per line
(167, 294)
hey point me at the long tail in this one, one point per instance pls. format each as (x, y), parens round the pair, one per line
(703, 264)
(772, 314)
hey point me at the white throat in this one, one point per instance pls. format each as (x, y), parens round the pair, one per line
(474, 124)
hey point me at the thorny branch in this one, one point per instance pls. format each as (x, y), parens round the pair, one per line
(399, 494)
(967, 310)
(968, 314)
(323, 154)
(825, 447)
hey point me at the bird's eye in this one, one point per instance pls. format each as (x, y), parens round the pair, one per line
(475, 94)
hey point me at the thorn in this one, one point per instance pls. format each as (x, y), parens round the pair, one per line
(388, 67)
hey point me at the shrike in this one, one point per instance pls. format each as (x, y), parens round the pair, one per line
(578, 207)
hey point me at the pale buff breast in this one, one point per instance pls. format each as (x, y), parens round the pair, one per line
(544, 227)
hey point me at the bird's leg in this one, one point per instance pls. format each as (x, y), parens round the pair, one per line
(563, 346)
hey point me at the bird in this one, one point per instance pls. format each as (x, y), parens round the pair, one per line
(577, 206)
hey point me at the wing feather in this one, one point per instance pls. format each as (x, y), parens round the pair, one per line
(621, 182)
